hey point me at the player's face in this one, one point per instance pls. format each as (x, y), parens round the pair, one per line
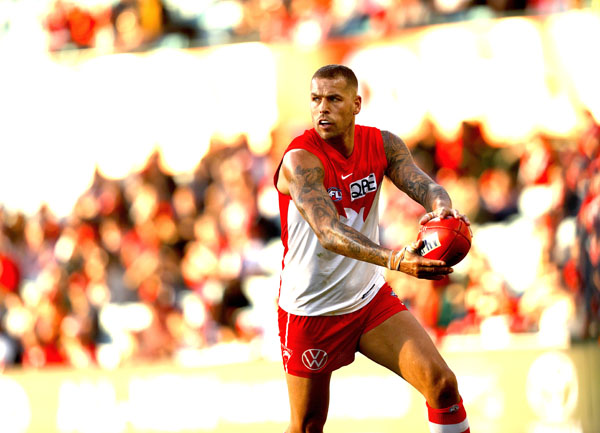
(333, 107)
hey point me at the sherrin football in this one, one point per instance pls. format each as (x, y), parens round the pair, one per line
(447, 239)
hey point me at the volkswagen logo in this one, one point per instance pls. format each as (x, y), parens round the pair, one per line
(314, 359)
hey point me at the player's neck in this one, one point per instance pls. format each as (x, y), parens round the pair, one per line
(344, 143)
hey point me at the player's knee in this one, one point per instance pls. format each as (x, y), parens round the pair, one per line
(443, 387)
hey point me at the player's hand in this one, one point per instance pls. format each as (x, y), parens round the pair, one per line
(409, 261)
(445, 212)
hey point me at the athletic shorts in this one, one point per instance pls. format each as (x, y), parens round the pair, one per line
(313, 345)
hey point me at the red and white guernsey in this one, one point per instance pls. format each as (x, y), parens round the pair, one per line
(315, 281)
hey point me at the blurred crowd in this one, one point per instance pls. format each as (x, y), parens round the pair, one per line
(156, 267)
(173, 254)
(129, 25)
(540, 270)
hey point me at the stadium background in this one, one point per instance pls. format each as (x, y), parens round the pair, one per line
(139, 248)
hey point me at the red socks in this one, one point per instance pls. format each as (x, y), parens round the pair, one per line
(451, 419)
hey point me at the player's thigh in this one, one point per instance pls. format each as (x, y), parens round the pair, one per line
(402, 345)
(309, 398)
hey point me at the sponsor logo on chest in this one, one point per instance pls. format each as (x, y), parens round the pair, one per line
(362, 187)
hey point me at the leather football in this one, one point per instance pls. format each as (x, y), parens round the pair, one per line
(447, 239)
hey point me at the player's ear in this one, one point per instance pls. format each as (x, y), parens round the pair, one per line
(357, 104)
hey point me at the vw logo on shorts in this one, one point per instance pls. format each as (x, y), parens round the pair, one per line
(314, 359)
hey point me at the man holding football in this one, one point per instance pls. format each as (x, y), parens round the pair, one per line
(333, 299)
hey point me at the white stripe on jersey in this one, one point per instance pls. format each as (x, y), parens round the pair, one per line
(316, 281)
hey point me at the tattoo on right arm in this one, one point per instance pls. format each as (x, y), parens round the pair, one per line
(316, 207)
(305, 191)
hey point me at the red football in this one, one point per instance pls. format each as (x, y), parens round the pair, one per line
(447, 239)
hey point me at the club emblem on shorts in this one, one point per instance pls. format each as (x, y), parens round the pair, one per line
(335, 193)
(286, 354)
(314, 359)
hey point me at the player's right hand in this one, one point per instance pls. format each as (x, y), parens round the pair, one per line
(409, 261)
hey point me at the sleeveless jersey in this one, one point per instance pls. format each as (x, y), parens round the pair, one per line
(315, 281)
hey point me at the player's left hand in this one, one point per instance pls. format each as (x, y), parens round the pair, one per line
(445, 212)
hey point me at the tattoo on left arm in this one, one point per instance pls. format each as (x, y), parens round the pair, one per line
(408, 177)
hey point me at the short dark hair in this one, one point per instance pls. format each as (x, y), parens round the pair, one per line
(334, 71)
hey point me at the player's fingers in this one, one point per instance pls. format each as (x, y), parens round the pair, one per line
(433, 264)
(430, 269)
(441, 271)
(432, 273)
(426, 218)
(467, 222)
(432, 277)
(415, 246)
(463, 217)
(469, 227)
(445, 212)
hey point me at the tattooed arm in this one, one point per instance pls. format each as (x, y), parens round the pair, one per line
(405, 174)
(409, 178)
(301, 177)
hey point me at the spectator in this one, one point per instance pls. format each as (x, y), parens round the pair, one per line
(175, 257)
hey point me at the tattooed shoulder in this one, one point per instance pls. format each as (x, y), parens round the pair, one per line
(309, 174)
(308, 178)
(396, 151)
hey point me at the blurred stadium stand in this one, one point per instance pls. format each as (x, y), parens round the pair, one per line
(139, 224)
(134, 25)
